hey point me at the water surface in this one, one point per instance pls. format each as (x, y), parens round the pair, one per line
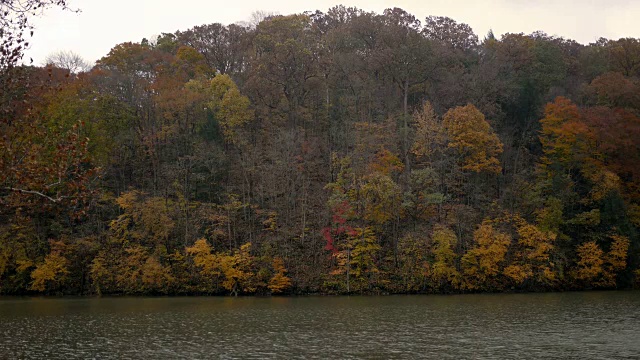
(588, 325)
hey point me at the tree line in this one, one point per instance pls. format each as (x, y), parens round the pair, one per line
(325, 152)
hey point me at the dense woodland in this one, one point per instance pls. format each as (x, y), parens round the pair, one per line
(336, 152)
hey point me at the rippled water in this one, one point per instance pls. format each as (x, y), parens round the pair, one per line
(590, 325)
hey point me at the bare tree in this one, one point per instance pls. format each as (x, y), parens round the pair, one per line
(68, 60)
(259, 16)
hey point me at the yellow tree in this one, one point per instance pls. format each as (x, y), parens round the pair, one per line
(143, 219)
(482, 264)
(51, 273)
(139, 272)
(280, 282)
(364, 252)
(156, 277)
(237, 269)
(473, 138)
(532, 258)
(595, 268)
(229, 106)
(430, 136)
(207, 264)
(234, 269)
(443, 271)
(616, 259)
(590, 263)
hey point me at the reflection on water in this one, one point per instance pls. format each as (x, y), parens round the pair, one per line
(598, 325)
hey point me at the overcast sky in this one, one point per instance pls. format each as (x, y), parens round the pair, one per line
(102, 24)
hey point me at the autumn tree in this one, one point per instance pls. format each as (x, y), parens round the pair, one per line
(474, 139)
(229, 106)
(280, 282)
(204, 161)
(483, 264)
(595, 268)
(430, 138)
(52, 272)
(531, 263)
(443, 271)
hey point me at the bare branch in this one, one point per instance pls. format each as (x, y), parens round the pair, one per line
(22, 191)
(68, 60)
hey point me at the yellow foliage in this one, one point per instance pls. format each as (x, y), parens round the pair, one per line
(595, 268)
(633, 212)
(517, 273)
(231, 108)
(430, 136)
(100, 273)
(550, 217)
(590, 262)
(51, 272)
(560, 131)
(381, 196)
(604, 182)
(128, 271)
(472, 136)
(443, 271)
(271, 222)
(538, 243)
(202, 257)
(280, 282)
(155, 276)
(143, 220)
(481, 265)
(235, 268)
(531, 260)
(569, 143)
(616, 259)
(357, 260)
(617, 256)
(413, 267)
(589, 218)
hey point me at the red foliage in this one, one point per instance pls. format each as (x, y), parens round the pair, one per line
(332, 233)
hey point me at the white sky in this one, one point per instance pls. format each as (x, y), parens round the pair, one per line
(102, 24)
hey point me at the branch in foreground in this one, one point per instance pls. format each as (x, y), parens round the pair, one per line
(22, 191)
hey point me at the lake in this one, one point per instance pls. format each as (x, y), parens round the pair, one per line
(580, 325)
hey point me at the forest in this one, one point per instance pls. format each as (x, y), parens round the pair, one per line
(337, 152)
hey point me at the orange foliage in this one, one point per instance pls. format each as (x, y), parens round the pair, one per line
(564, 137)
(280, 282)
(386, 163)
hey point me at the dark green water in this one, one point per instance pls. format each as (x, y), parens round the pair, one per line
(589, 325)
